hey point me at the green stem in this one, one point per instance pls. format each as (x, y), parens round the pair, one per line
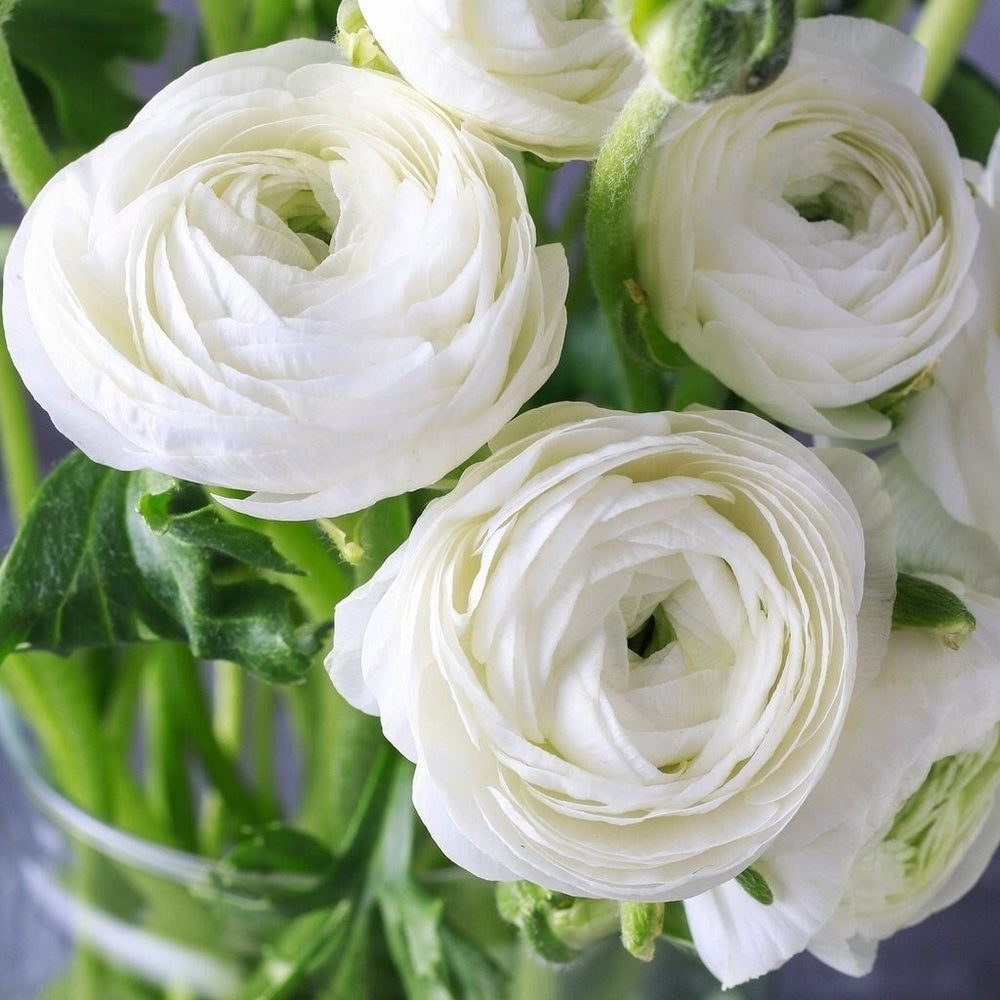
(611, 238)
(886, 11)
(17, 439)
(166, 767)
(269, 20)
(327, 580)
(24, 156)
(222, 22)
(55, 696)
(345, 741)
(694, 385)
(942, 29)
(265, 704)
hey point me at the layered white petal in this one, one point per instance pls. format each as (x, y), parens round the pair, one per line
(810, 244)
(883, 840)
(548, 76)
(287, 276)
(620, 651)
(951, 432)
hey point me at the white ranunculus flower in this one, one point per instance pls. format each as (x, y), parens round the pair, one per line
(288, 276)
(547, 76)
(810, 244)
(620, 651)
(950, 434)
(902, 823)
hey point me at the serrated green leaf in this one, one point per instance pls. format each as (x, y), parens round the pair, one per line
(87, 570)
(970, 104)
(185, 511)
(80, 51)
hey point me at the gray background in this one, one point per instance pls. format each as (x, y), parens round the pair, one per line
(954, 955)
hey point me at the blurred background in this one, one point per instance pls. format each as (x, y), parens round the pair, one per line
(954, 955)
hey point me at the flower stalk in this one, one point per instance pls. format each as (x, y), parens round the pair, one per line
(942, 28)
(26, 160)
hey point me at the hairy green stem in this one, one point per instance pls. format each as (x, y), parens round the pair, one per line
(25, 158)
(942, 28)
(610, 235)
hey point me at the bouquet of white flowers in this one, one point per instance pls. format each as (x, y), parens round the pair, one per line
(645, 517)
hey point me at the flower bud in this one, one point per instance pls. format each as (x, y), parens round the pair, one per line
(927, 606)
(701, 50)
(556, 927)
(642, 924)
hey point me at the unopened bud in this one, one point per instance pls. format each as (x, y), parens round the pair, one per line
(701, 50)
(927, 606)
(555, 926)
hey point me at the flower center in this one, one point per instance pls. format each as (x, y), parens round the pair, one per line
(837, 202)
(654, 634)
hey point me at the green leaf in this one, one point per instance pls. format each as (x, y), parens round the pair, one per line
(80, 51)
(276, 868)
(183, 510)
(87, 570)
(970, 104)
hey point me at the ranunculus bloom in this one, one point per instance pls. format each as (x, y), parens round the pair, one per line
(548, 76)
(902, 823)
(907, 814)
(810, 244)
(620, 651)
(288, 276)
(950, 434)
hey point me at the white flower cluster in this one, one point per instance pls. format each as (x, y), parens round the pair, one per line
(631, 655)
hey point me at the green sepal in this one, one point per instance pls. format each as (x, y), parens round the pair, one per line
(642, 924)
(893, 401)
(929, 607)
(87, 570)
(755, 886)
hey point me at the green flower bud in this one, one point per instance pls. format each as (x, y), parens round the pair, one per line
(929, 607)
(555, 926)
(701, 50)
(642, 924)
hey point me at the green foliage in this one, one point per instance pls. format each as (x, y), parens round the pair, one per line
(80, 49)
(88, 569)
(970, 104)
